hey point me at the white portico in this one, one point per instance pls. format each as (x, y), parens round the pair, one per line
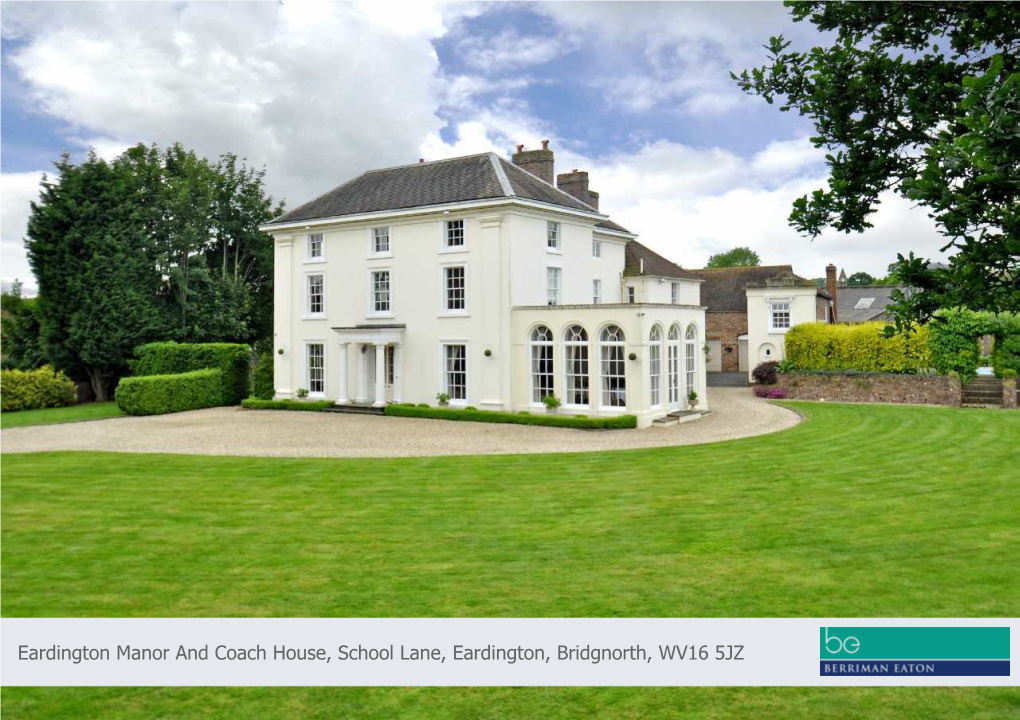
(378, 360)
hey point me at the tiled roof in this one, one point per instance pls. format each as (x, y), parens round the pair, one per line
(724, 288)
(654, 264)
(473, 177)
(861, 303)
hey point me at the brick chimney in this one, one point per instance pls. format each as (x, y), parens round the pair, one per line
(832, 286)
(537, 162)
(576, 183)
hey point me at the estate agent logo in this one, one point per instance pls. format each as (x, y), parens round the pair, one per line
(914, 651)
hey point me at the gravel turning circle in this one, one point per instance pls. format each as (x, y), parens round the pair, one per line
(736, 413)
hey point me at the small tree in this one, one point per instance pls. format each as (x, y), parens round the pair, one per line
(737, 257)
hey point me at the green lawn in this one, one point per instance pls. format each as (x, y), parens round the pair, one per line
(860, 511)
(551, 703)
(51, 416)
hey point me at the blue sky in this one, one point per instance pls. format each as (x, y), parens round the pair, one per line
(637, 94)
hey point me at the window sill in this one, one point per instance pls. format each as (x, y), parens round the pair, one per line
(453, 250)
(565, 406)
(380, 256)
(778, 331)
(379, 316)
(314, 261)
(454, 314)
(554, 251)
(314, 316)
(617, 410)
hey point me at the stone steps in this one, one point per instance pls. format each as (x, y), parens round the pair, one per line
(983, 392)
(358, 409)
(677, 417)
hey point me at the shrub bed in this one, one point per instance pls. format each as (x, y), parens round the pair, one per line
(159, 394)
(34, 389)
(167, 358)
(620, 422)
(260, 404)
(863, 347)
(954, 335)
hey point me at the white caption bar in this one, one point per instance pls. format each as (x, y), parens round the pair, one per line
(437, 652)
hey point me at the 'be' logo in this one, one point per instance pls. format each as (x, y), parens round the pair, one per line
(850, 644)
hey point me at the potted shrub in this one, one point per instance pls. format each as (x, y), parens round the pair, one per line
(551, 402)
(302, 393)
(443, 399)
(692, 400)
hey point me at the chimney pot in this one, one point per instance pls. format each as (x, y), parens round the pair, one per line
(421, 160)
(537, 162)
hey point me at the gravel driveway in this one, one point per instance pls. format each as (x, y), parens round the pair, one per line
(735, 413)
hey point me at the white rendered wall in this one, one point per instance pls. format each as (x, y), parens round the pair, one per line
(802, 310)
(506, 257)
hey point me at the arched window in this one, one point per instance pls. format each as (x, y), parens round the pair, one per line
(541, 363)
(655, 366)
(690, 358)
(575, 364)
(612, 367)
(673, 365)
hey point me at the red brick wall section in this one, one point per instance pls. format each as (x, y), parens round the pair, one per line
(1009, 393)
(725, 327)
(874, 387)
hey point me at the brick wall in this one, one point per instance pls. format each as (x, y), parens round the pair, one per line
(873, 387)
(725, 327)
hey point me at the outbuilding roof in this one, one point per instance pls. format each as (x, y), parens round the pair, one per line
(641, 260)
(724, 288)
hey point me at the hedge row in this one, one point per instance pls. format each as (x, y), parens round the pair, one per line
(169, 358)
(159, 394)
(260, 404)
(262, 378)
(620, 422)
(863, 347)
(33, 389)
(954, 336)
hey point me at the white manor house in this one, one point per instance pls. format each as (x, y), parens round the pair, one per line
(482, 280)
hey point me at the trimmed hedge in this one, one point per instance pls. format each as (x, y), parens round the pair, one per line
(159, 394)
(863, 347)
(262, 386)
(168, 358)
(260, 404)
(620, 422)
(34, 389)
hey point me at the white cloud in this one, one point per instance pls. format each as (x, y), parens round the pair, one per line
(782, 158)
(676, 56)
(509, 50)
(688, 203)
(316, 91)
(17, 190)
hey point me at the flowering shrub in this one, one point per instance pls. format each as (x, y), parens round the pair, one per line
(771, 393)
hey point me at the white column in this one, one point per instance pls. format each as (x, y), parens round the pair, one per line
(361, 394)
(380, 375)
(342, 398)
(398, 370)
